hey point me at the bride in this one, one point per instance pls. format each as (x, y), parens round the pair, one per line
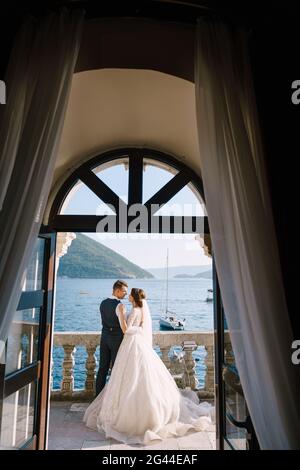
(141, 402)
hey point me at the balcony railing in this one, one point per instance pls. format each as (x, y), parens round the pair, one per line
(181, 366)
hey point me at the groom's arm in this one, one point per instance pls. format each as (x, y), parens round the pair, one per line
(122, 317)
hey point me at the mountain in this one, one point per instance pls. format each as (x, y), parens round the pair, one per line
(189, 271)
(87, 258)
(206, 275)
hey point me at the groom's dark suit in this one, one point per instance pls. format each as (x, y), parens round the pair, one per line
(111, 339)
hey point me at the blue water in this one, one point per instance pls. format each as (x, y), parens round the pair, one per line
(77, 309)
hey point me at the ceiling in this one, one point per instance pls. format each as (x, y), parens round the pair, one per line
(114, 108)
(133, 84)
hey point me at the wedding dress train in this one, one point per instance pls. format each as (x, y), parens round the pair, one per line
(141, 402)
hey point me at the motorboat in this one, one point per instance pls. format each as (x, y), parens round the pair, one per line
(209, 297)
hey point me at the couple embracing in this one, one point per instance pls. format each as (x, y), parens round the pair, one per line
(141, 402)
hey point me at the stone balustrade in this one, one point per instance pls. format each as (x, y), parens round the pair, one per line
(182, 365)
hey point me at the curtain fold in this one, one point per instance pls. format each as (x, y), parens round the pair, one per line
(38, 83)
(243, 234)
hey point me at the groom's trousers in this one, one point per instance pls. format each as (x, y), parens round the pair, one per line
(109, 346)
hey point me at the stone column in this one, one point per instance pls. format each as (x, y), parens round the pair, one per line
(190, 364)
(177, 369)
(90, 366)
(165, 356)
(63, 241)
(67, 385)
(210, 375)
(205, 243)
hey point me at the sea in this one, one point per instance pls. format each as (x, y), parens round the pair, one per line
(77, 309)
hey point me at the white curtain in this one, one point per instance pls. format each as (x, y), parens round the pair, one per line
(38, 83)
(243, 234)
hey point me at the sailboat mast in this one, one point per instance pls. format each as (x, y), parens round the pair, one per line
(167, 293)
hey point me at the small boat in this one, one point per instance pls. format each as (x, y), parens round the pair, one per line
(209, 297)
(169, 320)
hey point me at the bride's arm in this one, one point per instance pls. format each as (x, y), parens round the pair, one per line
(127, 323)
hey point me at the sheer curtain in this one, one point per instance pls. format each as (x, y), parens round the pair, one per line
(38, 83)
(243, 235)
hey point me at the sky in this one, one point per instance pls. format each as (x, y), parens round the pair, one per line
(145, 250)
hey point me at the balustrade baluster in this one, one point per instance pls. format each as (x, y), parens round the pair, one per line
(67, 385)
(90, 366)
(165, 356)
(183, 370)
(190, 364)
(210, 376)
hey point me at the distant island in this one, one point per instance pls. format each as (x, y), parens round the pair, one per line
(187, 271)
(87, 258)
(205, 274)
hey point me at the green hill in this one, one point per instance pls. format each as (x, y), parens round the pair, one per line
(87, 258)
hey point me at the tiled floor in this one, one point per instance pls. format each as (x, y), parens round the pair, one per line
(67, 431)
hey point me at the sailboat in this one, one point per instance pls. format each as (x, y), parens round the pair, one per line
(169, 320)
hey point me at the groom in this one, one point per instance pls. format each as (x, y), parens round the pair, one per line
(112, 333)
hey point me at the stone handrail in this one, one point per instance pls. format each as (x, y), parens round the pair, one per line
(182, 368)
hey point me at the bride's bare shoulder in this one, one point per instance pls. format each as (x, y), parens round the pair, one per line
(134, 310)
(135, 307)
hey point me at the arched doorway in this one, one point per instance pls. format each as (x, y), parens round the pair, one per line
(139, 167)
(136, 212)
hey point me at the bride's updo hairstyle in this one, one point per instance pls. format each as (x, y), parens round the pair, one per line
(138, 295)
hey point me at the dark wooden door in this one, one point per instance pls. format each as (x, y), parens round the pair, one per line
(235, 430)
(24, 381)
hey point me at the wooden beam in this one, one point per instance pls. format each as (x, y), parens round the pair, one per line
(77, 223)
(20, 378)
(107, 195)
(154, 224)
(135, 179)
(169, 190)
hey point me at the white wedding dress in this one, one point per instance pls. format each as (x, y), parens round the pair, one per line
(141, 402)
